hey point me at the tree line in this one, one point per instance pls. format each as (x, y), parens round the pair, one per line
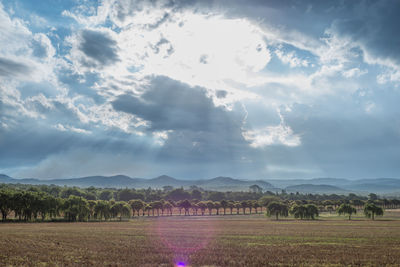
(28, 203)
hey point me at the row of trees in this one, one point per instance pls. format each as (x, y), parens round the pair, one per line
(310, 211)
(28, 205)
(277, 209)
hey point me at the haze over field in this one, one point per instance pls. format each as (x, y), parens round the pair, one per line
(263, 90)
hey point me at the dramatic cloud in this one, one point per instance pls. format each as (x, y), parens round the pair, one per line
(99, 47)
(254, 89)
(11, 68)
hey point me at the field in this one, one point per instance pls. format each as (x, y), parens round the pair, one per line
(205, 241)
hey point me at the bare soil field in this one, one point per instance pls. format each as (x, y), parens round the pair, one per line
(204, 241)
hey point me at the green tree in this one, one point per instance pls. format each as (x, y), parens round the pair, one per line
(203, 206)
(106, 195)
(117, 209)
(217, 206)
(168, 206)
(371, 210)
(48, 206)
(137, 205)
(76, 208)
(238, 205)
(196, 194)
(216, 196)
(298, 211)
(186, 206)
(125, 195)
(126, 211)
(148, 208)
(256, 205)
(195, 208)
(346, 209)
(71, 191)
(312, 211)
(357, 203)
(244, 204)
(91, 205)
(157, 205)
(6, 203)
(90, 196)
(231, 205)
(210, 206)
(250, 205)
(265, 200)
(277, 209)
(224, 205)
(102, 209)
(178, 194)
(373, 197)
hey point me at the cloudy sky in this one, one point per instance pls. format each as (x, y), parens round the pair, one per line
(248, 89)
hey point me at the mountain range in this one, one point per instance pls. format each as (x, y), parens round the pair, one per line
(122, 181)
(316, 185)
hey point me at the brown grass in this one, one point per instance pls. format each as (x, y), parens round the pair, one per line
(203, 241)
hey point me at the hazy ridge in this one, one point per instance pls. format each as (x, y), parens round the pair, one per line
(315, 185)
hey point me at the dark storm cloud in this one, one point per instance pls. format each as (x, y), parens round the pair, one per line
(10, 68)
(99, 47)
(289, 14)
(200, 130)
(171, 105)
(374, 25)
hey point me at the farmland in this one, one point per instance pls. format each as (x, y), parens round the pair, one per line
(205, 241)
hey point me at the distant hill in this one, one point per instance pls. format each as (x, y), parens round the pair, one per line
(383, 186)
(230, 184)
(312, 188)
(282, 183)
(343, 186)
(122, 181)
(4, 178)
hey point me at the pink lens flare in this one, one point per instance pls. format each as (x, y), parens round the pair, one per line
(184, 236)
(180, 264)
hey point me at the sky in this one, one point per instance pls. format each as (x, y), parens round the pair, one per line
(199, 89)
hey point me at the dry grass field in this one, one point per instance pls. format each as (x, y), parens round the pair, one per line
(204, 241)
